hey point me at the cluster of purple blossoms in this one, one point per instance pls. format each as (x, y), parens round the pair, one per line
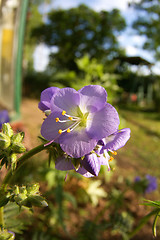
(151, 183)
(85, 126)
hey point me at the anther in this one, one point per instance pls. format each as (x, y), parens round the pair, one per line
(68, 130)
(60, 131)
(63, 112)
(70, 118)
(111, 159)
(114, 153)
(57, 119)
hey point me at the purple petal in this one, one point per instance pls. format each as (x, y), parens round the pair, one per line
(66, 99)
(93, 98)
(91, 163)
(77, 143)
(63, 164)
(4, 117)
(104, 160)
(102, 123)
(50, 127)
(84, 172)
(46, 97)
(117, 140)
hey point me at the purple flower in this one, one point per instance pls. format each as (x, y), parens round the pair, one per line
(91, 164)
(46, 97)
(152, 184)
(78, 119)
(4, 117)
(146, 184)
(116, 140)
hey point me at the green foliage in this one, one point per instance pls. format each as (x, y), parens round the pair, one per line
(79, 31)
(147, 23)
(12, 220)
(11, 145)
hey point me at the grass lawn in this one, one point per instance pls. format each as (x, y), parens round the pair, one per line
(141, 155)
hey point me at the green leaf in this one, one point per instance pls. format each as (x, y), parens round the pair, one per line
(3, 200)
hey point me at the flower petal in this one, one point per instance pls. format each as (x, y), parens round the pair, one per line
(102, 123)
(46, 97)
(104, 160)
(91, 163)
(93, 98)
(84, 172)
(117, 140)
(66, 99)
(50, 127)
(63, 164)
(77, 143)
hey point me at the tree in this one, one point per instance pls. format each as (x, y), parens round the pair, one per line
(79, 31)
(147, 24)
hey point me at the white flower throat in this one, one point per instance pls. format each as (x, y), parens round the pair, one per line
(75, 121)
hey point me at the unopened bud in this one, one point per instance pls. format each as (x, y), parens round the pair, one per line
(4, 141)
(6, 129)
(33, 189)
(17, 138)
(18, 148)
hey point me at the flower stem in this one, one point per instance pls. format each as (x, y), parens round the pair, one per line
(1, 218)
(21, 161)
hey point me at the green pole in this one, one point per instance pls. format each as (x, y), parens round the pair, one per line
(18, 65)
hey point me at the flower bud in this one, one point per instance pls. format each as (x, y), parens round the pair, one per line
(6, 129)
(4, 141)
(17, 138)
(33, 189)
(18, 148)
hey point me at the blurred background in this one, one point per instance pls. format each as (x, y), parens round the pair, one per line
(74, 43)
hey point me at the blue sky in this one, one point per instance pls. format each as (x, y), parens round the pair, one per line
(129, 39)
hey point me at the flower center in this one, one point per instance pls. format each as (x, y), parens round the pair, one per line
(73, 122)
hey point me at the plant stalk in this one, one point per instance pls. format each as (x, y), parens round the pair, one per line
(1, 219)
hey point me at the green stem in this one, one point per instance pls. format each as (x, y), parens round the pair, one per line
(21, 161)
(1, 218)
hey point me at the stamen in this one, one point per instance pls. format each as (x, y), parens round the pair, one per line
(111, 159)
(114, 153)
(105, 155)
(60, 131)
(63, 113)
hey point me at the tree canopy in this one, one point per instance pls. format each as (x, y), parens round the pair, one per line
(148, 24)
(79, 31)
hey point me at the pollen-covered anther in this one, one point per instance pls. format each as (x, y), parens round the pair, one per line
(60, 131)
(114, 153)
(70, 118)
(111, 159)
(68, 130)
(63, 113)
(57, 119)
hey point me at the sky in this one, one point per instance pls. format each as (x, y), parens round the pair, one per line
(129, 39)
